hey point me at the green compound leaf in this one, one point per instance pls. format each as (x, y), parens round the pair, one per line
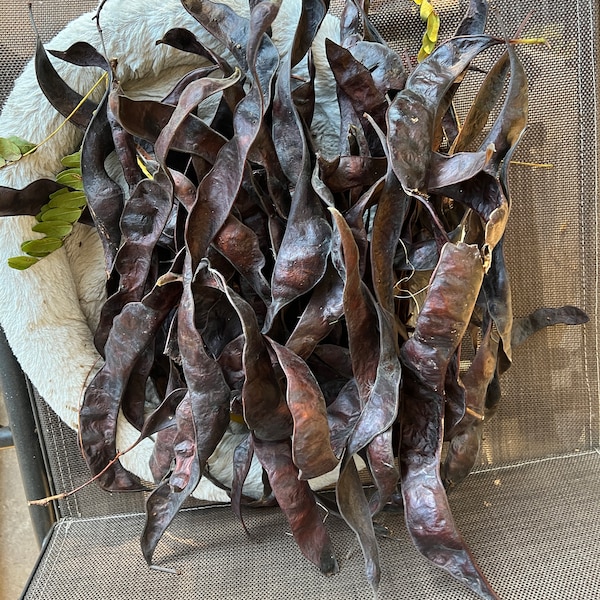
(71, 178)
(22, 262)
(428, 13)
(70, 215)
(23, 145)
(9, 151)
(426, 10)
(73, 161)
(56, 218)
(54, 229)
(64, 198)
(12, 148)
(41, 247)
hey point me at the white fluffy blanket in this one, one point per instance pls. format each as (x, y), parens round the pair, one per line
(49, 312)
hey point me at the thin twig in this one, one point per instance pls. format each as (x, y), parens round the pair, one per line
(96, 18)
(165, 569)
(32, 20)
(45, 501)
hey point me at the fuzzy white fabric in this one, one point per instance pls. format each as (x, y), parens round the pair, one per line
(49, 311)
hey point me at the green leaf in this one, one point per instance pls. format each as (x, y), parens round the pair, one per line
(23, 145)
(70, 215)
(426, 10)
(60, 192)
(43, 209)
(56, 218)
(71, 178)
(67, 199)
(56, 229)
(41, 247)
(433, 27)
(72, 161)
(427, 44)
(22, 262)
(9, 151)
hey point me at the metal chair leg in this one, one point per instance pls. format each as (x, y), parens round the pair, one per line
(23, 427)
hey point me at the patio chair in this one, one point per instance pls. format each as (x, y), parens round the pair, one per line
(530, 511)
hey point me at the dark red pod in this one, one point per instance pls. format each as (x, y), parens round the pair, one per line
(440, 327)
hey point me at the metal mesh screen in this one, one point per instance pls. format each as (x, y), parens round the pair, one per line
(17, 42)
(550, 403)
(551, 394)
(533, 528)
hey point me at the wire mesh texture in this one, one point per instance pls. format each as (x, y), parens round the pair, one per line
(550, 403)
(530, 512)
(17, 42)
(534, 529)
